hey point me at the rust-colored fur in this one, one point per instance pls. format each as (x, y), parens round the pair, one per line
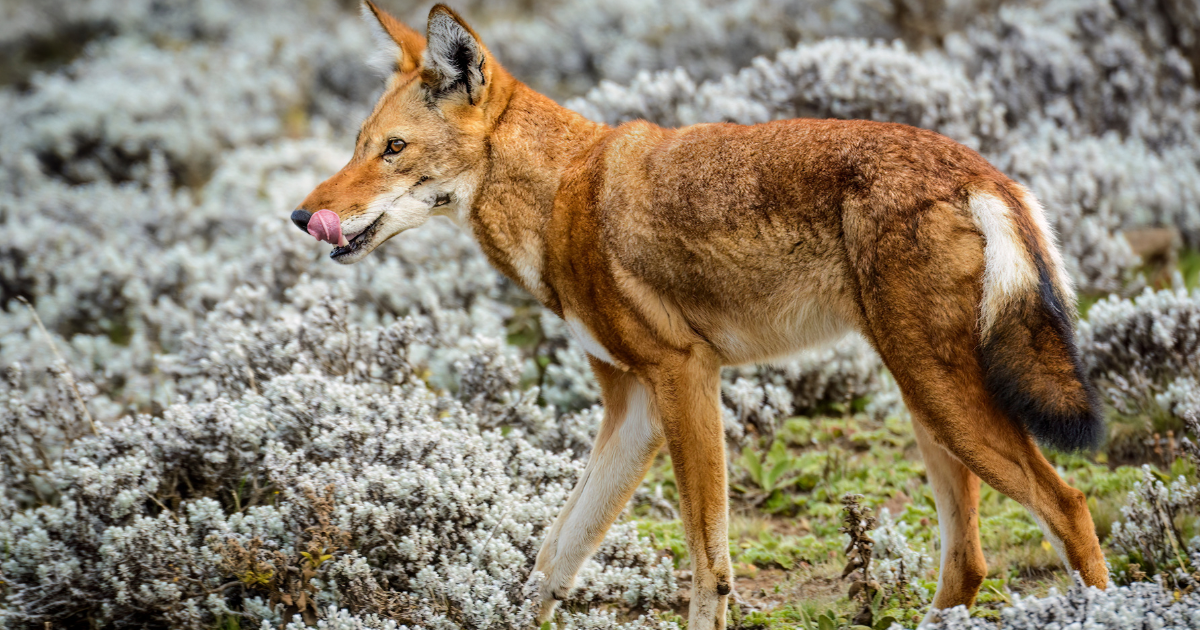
(672, 252)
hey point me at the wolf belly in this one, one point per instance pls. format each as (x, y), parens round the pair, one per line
(797, 318)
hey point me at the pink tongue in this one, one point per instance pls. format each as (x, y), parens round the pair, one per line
(324, 225)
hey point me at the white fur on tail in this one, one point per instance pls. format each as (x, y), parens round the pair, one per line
(1058, 269)
(1009, 271)
(1008, 268)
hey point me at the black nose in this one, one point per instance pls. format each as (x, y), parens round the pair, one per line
(300, 218)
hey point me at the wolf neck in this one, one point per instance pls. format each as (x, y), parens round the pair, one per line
(533, 143)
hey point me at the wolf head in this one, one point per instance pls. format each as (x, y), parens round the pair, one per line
(422, 151)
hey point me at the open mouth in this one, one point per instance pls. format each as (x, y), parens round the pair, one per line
(358, 241)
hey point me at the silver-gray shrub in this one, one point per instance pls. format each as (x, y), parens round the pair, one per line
(171, 255)
(569, 46)
(1148, 532)
(823, 380)
(1134, 349)
(151, 88)
(835, 78)
(897, 564)
(1134, 607)
(1144, 356)
(438, 507)
(576, 44)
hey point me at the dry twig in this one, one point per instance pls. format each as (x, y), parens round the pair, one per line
(64, 369)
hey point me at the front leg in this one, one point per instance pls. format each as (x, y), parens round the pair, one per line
(628, 441)
(687, 391)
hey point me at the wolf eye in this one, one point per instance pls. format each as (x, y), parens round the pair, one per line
(394, 146)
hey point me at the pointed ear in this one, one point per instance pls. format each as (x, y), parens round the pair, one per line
(455, 60)
(399, 47)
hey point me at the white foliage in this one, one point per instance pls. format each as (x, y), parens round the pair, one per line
(1135, 348)
(898, 565)
(1125, 608)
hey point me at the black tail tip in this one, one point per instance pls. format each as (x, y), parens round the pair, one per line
(1070, 426)
(1075, 433)
(1035, 374)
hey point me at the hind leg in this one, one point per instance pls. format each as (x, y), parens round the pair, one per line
(956, 492)
(920, 273)
(1016, 467)
(959, 417)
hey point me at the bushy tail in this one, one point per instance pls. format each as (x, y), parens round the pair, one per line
(1030, 360)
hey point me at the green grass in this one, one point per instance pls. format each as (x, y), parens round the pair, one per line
(1189, 267)
(786, 506)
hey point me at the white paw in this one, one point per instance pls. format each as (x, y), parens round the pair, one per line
(546, 611)
(554, 584)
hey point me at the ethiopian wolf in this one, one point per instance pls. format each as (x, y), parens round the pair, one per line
(673, 252)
